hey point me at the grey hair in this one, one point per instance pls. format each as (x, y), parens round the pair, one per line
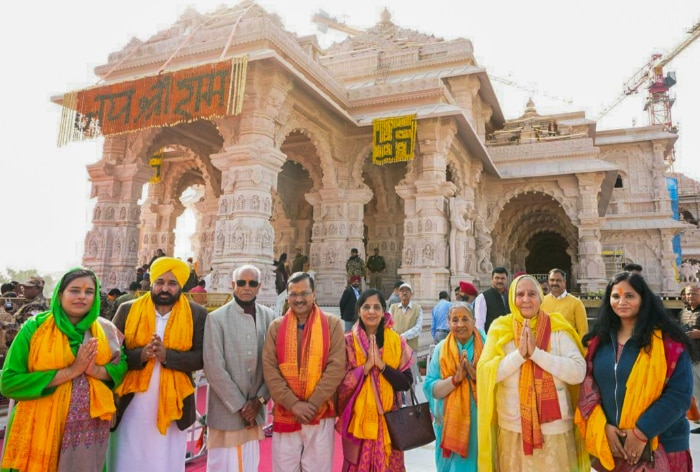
(465, 305)
(238, 270)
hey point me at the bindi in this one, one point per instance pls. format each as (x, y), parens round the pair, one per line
(620, 291)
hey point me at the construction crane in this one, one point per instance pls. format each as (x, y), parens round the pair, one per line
(532, 90)
(324, 21)
(658, 103)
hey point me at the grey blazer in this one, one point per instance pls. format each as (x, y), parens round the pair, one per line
(185, 361)
(233, 345)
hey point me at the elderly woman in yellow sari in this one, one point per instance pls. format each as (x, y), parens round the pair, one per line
(527, 382)
(61, 368)
(378, 367)
(450, 386)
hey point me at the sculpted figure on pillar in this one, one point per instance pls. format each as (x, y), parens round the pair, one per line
(461, 226)
(483, 247)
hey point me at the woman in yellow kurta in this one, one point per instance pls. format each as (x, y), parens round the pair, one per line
(527, 381)
(60, 369)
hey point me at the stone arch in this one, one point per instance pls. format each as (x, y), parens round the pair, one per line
(320, 139)
(199, 140)
(567, 204)
(526, 220)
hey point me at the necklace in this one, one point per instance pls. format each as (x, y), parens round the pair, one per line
(301, 326)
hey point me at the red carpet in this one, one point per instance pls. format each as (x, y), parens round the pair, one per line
(200, 464)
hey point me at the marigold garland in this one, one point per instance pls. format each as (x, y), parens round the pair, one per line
(181, 96)
(394, 139)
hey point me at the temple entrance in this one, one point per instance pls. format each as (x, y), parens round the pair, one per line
(292, 216)
(186, 240)
(535, 235)
(548, 250)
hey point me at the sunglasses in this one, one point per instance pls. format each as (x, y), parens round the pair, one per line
(251, 283)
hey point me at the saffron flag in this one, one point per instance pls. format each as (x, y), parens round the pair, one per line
(394, 139)
(165, 99)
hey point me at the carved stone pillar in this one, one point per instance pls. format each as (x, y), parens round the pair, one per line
(662, 199)
(591, 277)
(204, 248)
(668, 285)
(244, 234)
(426, 232)
(111, 246)
(338, 227)
(159, 221)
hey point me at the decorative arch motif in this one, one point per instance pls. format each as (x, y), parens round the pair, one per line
(556, 193)
(318, 137)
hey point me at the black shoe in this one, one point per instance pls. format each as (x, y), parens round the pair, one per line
(695, 431)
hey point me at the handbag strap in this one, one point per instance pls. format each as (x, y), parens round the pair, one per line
(413, 396)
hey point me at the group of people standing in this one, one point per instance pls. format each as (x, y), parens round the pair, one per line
(528, 394)
(538, 391)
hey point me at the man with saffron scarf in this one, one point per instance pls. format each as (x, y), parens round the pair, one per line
(61, 368)
(527, 385)
(163, 336)
(303, 364)
(233, 339)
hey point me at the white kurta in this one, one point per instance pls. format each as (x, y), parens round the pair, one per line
(137, 444)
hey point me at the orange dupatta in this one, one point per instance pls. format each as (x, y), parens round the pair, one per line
(302, 378)
(366, 416)
(35, 438)
(175, 385)
(539, 402)
(457, 412)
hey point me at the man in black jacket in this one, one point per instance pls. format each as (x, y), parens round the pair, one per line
(348, 301)
(492, 303)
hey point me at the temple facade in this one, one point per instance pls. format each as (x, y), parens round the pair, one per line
(294, 168)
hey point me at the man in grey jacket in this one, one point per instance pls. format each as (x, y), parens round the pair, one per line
(233, 343)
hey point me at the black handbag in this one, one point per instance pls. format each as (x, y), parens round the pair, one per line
(411, 426)
(647, 453)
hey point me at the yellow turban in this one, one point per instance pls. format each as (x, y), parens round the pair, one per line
(169, 264)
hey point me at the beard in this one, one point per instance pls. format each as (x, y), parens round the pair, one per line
(165, 298)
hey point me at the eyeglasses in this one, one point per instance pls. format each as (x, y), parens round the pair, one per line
(251, 283)
(303, 294)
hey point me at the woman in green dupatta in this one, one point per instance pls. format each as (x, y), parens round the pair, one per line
(61, 369)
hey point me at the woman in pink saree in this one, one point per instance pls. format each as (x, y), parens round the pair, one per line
(378, 369)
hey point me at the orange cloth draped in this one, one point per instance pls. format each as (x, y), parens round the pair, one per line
(302, 378)
(175, 385)
(644, 387)
(457, 414)
(538, 394)
(35, 439)
(367, 413)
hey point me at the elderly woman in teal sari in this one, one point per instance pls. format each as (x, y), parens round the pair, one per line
(450, 386)
(61, 369)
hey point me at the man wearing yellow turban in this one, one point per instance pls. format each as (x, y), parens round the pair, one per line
(163, 338)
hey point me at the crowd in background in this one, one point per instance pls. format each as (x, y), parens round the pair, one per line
(517, 380)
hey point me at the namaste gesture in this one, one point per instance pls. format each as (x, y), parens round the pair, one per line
(374, 358)
(527, 341)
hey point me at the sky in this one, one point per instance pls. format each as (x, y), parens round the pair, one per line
(571, 56)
